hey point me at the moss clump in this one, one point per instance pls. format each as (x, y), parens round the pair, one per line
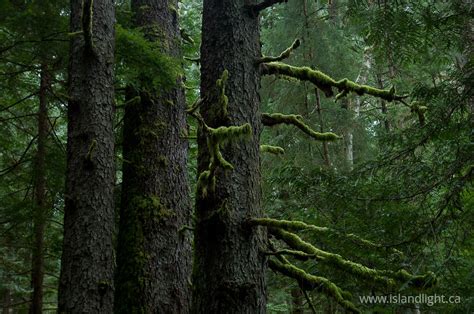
(296, 120)
(150, 207)
(276, 150)
(216, 138)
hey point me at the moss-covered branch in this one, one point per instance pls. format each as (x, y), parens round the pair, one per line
(296, 120)
(285, 54)
(326, 83)
(276, 150)
(301, 226)
(311, 282)
(384, 277)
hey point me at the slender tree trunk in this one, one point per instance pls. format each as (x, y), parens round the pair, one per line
(39, 215)
(154, 253)
(383, 104)
(87, 264)
(229, 269)
(327, 160)
(297, 306)
(6, 301)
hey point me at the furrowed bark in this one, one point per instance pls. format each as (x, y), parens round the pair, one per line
(87, 264)
(154, 255)
(229, 270)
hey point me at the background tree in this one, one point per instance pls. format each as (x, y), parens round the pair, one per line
(32, 58)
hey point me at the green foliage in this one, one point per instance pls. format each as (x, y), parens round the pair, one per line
(141, 63)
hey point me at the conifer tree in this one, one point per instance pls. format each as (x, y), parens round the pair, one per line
(154, 246)
(87, 263)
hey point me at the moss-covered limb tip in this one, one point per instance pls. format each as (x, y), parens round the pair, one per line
(297, 120)
(284, 55)
(275, 150)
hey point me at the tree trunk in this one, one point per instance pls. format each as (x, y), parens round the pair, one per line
(39, 177)
(383, 104)
(297, 306)
(229, 269)
(87, 264)
(327, 160)
(154, 259)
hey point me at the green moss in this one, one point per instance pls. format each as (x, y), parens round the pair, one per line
(296, 120)
(276, 150)
(331, 259)
(310, 282)
(223, 101)
(326, 83)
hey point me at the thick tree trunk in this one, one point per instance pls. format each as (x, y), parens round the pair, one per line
(154, 249)
(87, 265)
(229, 268)
(39, 215)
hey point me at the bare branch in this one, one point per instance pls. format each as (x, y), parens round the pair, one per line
(255, 9)
(284, 55)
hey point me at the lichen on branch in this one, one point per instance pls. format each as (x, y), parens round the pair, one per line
(326, 83)
(296, 120)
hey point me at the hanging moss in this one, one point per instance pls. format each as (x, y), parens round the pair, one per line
(284, 55)
(311, 282)
(276, 150)
(216, 137)
(296, 120)
(326, 83)
(223, 101)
